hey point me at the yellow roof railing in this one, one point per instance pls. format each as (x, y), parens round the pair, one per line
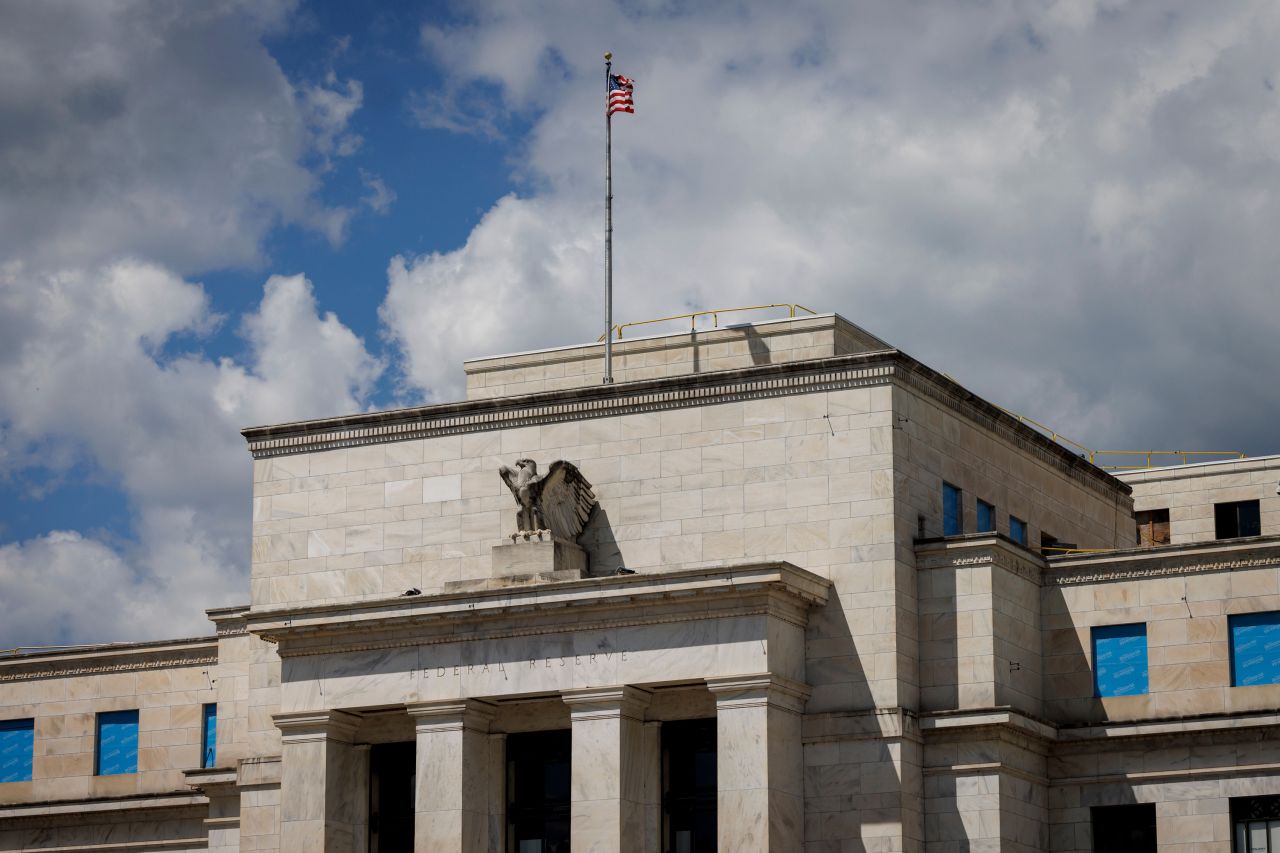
(714, 314)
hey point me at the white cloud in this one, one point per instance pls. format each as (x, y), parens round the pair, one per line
(90, 374)
(1065, 206)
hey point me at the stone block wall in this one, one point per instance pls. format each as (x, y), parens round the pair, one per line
(168, 684)
(656, 357)
(1189, 492)
(1184, 597)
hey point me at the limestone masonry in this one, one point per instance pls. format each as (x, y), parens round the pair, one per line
(829, 601)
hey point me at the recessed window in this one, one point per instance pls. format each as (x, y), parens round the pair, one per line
(1018, 530)
(1255, 648)
(689, 786)
(209, 736)
(1236, 519)
(952, 515)
(1257, 824)
(1153, 527)
(1049, 545)
(1120, 660)
(986, 517)
(117, 750)
(17, 743)
(538, 774)
(1124, 829)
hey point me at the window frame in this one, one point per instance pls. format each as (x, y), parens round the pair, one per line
(1253, 619)
(952, 493)
(989, 526)
(209, 735)
(123, 717)
(1119, 632)
(22, 731)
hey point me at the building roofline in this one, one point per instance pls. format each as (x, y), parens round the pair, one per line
(877, 367)
(1195, 469)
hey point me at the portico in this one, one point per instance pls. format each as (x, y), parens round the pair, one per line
(609, 659)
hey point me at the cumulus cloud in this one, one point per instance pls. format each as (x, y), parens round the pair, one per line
(91, 373)
(1067, 205)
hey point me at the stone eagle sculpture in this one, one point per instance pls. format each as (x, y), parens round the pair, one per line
(559, 501)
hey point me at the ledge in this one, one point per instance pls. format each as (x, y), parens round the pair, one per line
(691, 594)
(978, 549)
(1164, 561)
(111, 657)
(101, 805)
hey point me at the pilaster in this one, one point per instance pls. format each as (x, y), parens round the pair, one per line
(319, 805)
(612, 781)
(759, 762)
(451, 812)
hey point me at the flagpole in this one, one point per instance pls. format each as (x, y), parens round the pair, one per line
(608, 225)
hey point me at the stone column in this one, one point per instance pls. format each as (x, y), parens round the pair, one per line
(759, 763)
(318, 795)
(451, 814)
(608, 789)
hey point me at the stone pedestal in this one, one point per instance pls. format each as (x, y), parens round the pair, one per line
(759, 763)
(320, 785)
(451, 812)
(539, 557)
(612, 783)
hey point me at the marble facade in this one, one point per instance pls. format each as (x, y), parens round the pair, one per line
(768, 553)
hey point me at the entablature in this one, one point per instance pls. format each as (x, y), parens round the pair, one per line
(776, 589)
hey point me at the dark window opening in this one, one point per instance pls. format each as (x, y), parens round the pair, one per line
(1256, 824)
(538, 773)
(1153, 527)
(1236, 519)
(1049, 545)
(952, 515)
(986, 517)
(689, 786)
(392, 768)
(1124, 829)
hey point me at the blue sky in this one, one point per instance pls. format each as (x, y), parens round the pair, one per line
(242, 212)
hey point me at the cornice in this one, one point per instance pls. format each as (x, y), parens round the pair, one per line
(97, 660)
(980, 549)
(131, 808)
(1163, 562)
(837, 372)
(778, 589)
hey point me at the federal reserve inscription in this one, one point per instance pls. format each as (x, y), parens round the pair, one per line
(563, 661)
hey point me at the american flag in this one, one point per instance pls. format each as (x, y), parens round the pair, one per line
(620, 89)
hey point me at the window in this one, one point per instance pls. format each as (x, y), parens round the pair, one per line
(952, 517)
(689, 786)
(1018, 531)
(209, 736)
(1255, 648)
(117, 743)
(1153, 527)
(1120, 660)
(17, 742)
(1240, 518)
(1124, 829)
(1257, 824)
(986, 517)
(1049, 545)
(538, 772)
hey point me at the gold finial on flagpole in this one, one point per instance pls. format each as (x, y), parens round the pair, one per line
(608, 56)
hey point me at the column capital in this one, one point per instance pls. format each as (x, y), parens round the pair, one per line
(451, 714)
(623, 700)
(745, 691)
(305, 726)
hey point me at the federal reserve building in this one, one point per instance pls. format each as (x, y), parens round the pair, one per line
(778, 587)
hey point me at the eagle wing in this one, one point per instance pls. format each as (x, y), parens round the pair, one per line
(566, 500)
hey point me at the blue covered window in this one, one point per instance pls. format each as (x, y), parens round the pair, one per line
(1018, 530)
(117, 743)
(17, 742)
(952, 521)
(209, 736)
(1255, 648)
(1120, 660)
(986, 517)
